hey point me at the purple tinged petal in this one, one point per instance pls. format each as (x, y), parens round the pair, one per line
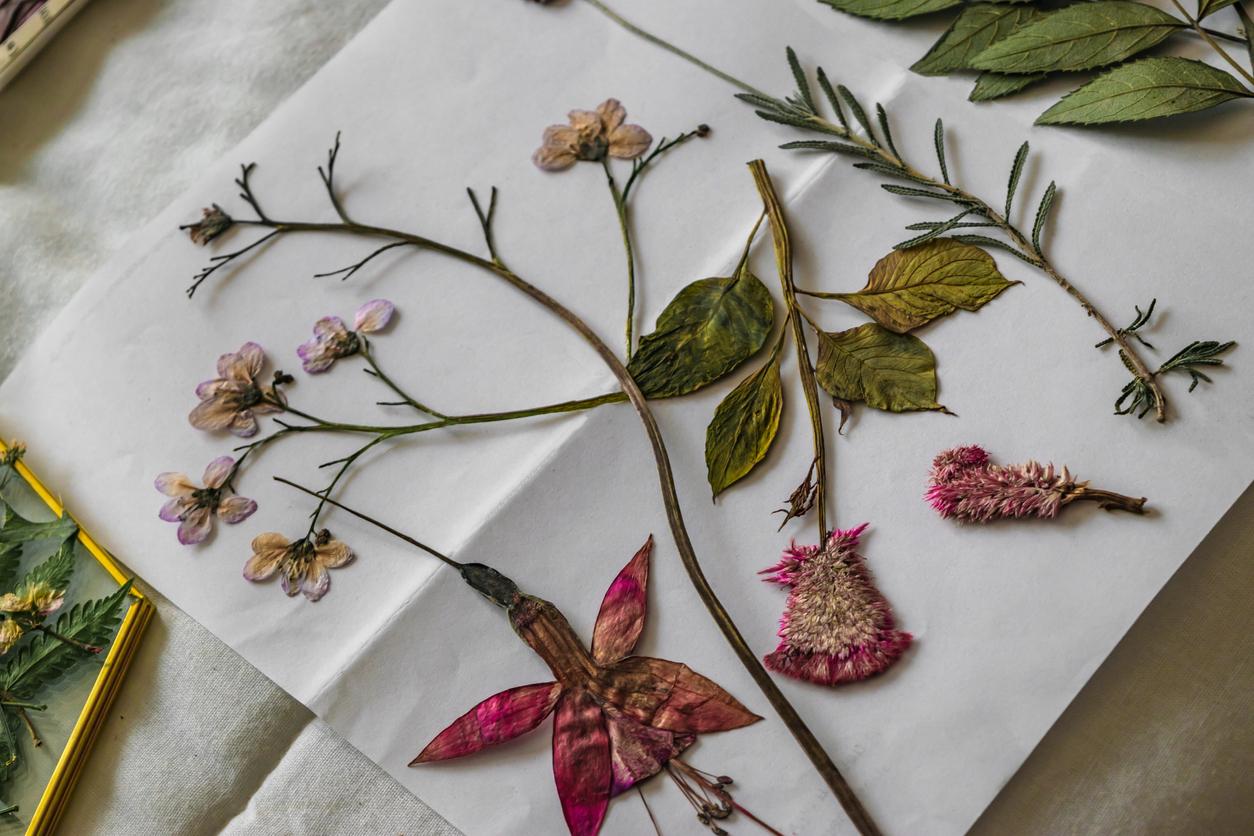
(638, 751)
(173, 510)
(212, 414)
(330, 328)
(174, 484)
(316, 357)
(217, 471)
(316, 582)
(196, 525)
(244, 424)
(621, 618)
(236, 509)
(499, 718)
(253, 357)
(581, 761)
(373, 316)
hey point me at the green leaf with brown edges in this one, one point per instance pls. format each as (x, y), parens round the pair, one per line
(1079, 37)
(990, 86)
(911, 287)
(707, 330)
(743, 427)
(891, 9)
(888, 371)
(977, 26)
(1145, 89)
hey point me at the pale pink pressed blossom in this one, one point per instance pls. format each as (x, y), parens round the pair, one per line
(194, 508)
(332, 339)
(592, 135)
(233, 400)
(967, 487)
(301, 564)
(213, 224)
(836, 627)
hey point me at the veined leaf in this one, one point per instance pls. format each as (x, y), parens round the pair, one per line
(19, 530)
(10, 558)
(1145, 89)
(991, 86)
(977, 26)
(889, 371)
(707, 330)
(743, 427)
(909, 288)
(891, 9)
(45, 659)
(1209, 7)
(1079, 37)
(57, 570)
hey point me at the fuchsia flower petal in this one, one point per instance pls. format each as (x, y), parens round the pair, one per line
(217, 471)
(677, 698)
(638, 751)
(581, 762)
(373, 316)
(621, 618)
(836, 627)
(499, 718)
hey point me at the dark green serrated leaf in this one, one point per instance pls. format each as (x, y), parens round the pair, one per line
(743, 427)
(986, 241)
(20, 530)
(888, 371)
(799, 75)
(882, 116)
(990, 86)
(57, 570)
(832, 98)
(10, 559)
(977, 26)
(1146, 89)
(855, 107)
(1209, 7)
(1042, 213)
(707, 330)
(890, 9)
(1016, 171)
(45, 659)
(1079, 37)
(938, 139)
(1247, 24)
(909, 288)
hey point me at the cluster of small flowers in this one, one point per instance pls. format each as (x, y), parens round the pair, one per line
(967, 487)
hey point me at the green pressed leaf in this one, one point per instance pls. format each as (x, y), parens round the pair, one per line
(891, 9)
(991, 86)
(707, 330)
(19, 530)
(57, 570)
(743, 427)
(1145, 89)
(886, 370)
(45, 659)
(10, 558)
(979, 25)
(1209, 7)
(909, 288)
(1079, 37)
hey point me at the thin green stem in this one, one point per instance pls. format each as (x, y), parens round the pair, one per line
(366, 354)
(620, 207)
(1205, 34)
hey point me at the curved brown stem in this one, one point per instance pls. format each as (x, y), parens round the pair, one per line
(1108, 500)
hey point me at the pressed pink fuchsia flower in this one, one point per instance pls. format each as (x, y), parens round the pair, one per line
(301, 564)
(333, 340)
(233, 400)
(618, 719)
(967, 487)
(592, 135)
(836, 627)
(194, 508)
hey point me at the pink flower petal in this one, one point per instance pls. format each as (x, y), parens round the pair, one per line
(553, 158)
(316, 583)
(330, 328)
(622, 612)
(678, 698)
(316, 356)
(629, 141)
(235, 509)
(213, 414)
(174, 484)
(373, 316)
(612, 114)
(581, 762)
(217, 471)
(499, 718)
(196, 525)
(244, 424)
(638, 751)
(253, 357)
(173, 510)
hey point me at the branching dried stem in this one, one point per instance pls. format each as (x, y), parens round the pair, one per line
(810, 744)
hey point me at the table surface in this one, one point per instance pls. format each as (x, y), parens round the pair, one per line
(1159, 740)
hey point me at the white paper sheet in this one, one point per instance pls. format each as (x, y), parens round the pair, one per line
(1010, 620)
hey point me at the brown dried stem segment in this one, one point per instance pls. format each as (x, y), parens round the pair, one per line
(1107, 500)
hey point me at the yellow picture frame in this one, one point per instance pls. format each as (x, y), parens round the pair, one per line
(56, 794)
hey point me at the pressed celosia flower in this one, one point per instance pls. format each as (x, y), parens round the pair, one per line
(194, 508)
(233, 400)
(214, 223)
(591, 135)
(10, 633)
(333, 340)
(618, 718)
(37, 599)
(836, 627)
(302, 565)
(967, 487)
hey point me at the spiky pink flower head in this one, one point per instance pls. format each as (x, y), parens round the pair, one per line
(967, 487)
(836, 626)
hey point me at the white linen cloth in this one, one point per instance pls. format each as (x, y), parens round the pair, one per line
(850, 455)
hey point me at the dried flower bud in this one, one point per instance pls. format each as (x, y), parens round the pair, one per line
(703, 130)
(214, 223)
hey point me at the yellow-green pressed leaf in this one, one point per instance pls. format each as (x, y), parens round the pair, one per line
(1145, 89)
(1209, 7)
(977, 26)
(990, 86)
(707, 330)
(1079, 37)
(909, 288)
(891, 9)
(743, 427)
(886, 370)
